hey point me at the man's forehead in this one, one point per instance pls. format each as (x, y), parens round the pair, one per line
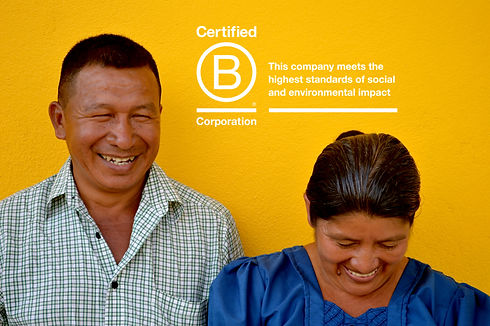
(97, 106)
(97, 76)
(94, 81)
(91, 69)
(101, 69)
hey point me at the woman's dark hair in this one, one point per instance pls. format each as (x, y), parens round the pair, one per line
(370, 173)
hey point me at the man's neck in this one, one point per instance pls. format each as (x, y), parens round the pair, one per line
(107, 202)
(114, 213)
(118, 203)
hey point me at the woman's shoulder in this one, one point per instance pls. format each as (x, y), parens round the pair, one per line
(264, 271)
(444, 297)
(265, 264)
(441, 285)
(250, 290)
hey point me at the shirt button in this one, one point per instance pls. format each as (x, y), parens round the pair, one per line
(114, 284)
(97, 235)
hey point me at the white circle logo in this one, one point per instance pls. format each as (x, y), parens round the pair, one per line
(231, 72)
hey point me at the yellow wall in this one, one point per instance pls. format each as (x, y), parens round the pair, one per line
(438, 50)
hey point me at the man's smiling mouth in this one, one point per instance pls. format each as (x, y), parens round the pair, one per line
(118, 160)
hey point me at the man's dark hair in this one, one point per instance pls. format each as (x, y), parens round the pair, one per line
(107, 50)
(374, 174)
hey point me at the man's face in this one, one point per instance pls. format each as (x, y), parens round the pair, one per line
(111, 124)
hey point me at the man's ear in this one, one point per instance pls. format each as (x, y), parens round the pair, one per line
(57, 116)
(307, 203)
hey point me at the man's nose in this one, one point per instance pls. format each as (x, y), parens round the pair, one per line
(121, 134)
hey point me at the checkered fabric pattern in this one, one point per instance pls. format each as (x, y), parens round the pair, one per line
(56, 269)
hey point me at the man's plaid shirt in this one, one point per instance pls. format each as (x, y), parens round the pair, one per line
(56, 268)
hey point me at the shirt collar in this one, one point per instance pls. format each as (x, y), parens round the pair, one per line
(158, 191)
(64, 184)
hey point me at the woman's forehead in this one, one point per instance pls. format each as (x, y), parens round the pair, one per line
(361, 225)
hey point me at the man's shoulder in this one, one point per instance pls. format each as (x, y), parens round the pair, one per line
(21, 208)
(38, 193)
(190, 197)
(192, 210)
(187, 196)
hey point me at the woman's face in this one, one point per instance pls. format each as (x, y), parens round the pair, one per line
(360, 253)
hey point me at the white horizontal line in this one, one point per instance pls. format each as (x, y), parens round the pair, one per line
(226, 110)
(333, 110)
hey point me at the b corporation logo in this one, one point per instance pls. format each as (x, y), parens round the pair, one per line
(226, 72)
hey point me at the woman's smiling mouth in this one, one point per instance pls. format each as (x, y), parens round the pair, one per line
(361, 277)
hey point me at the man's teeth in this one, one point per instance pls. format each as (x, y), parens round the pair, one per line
(118, 160)
(363, 275)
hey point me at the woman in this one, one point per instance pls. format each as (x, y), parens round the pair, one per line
(361, 200)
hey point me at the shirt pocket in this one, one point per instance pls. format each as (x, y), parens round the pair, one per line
(177, 311)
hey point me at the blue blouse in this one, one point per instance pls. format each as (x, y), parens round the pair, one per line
(281, 289)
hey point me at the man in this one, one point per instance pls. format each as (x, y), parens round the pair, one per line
(110, 239)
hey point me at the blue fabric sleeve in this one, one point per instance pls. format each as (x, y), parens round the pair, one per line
(439, 300)
(469, 307)
(235, 296)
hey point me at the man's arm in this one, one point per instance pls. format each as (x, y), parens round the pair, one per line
(3, 313)
(232, 246)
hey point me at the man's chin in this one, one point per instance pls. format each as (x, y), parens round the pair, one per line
(120, 183)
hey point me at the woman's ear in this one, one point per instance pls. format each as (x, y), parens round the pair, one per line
(307, 203)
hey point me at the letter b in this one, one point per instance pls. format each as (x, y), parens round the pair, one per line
(233, 71)
(230, 95)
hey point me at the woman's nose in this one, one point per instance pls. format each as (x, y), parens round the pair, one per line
(364, 261)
